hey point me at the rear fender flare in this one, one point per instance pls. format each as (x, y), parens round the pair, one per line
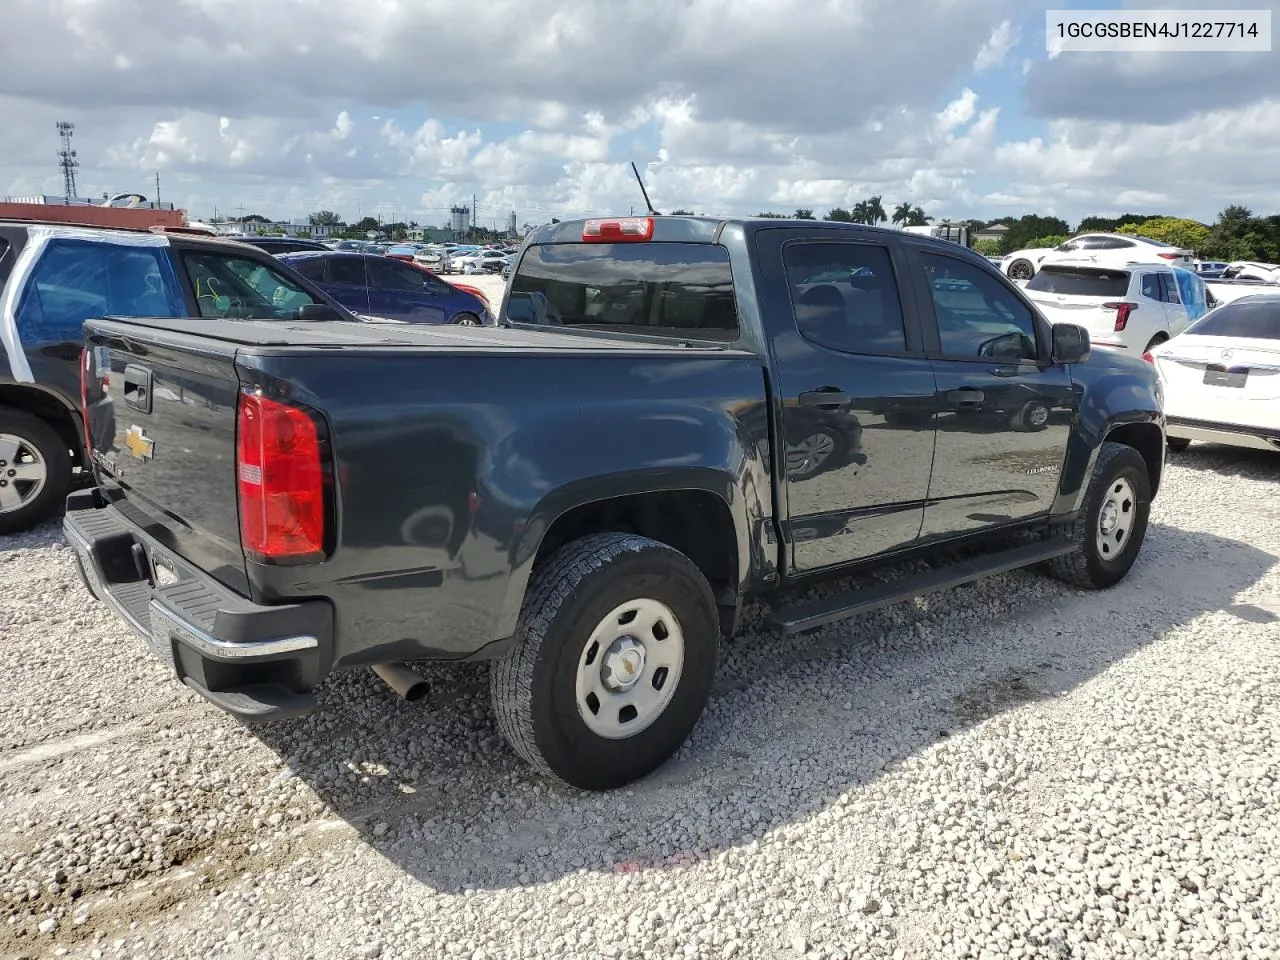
(584, 492)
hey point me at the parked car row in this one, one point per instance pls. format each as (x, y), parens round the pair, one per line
(276, 490)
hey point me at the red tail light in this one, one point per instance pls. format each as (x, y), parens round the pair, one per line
(625, 230)
(281, 480)
(1149, 358)
(1122, 313)
(1169, 256)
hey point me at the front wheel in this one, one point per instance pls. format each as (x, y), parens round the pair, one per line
(467, 320)
(1112, 521)
(612, 661)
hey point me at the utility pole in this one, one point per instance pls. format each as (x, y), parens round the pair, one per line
(157, 189)
(67, 159)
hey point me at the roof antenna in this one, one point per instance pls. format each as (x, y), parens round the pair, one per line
(644, 192)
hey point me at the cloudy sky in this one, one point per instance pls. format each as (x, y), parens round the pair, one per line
(399, 109)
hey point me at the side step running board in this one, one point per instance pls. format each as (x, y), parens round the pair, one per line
(818, 613)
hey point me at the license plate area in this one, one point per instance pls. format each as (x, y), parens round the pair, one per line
(1216, 375)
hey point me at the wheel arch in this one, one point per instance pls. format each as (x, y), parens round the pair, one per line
(51, 408)
(696, 512)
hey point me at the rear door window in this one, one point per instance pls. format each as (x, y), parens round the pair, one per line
(347, 271)
(845, 296)
(1168, 289)
(77, 280)
(1079, 283)
(676, 290)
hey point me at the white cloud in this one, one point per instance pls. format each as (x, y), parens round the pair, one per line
(992, 53)
(730, 106)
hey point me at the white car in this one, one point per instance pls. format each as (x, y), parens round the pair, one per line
(473, 262)
(1101, 248)
(1130, 308)
(1221, 377)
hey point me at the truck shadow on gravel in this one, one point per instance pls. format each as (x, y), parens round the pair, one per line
(794, 725)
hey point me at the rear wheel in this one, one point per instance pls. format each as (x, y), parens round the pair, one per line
(1177, 444)
(1112, 521)
(467, 320)
(612, 661)
(35, 470)
(1021, 270)
(1158, 339)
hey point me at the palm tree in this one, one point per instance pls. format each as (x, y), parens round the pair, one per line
(860, 212)
(902, 214)
(916, 217)
(875, 211)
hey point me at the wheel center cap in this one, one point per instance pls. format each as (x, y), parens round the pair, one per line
(623, 664)
(1109, 516)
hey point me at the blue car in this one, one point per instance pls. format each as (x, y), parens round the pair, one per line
(386, 287)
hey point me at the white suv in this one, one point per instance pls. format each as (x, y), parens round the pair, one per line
(1108, 249)
(1131, 308)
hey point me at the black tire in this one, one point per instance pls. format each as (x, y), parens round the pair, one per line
(1177, 444)
(1021, 269)
(533, 687)
(49, 446)
(466, 320)
(1088, 566)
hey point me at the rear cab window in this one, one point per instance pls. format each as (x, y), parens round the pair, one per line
(1247, 319)
(682, 291)
(1077, 282)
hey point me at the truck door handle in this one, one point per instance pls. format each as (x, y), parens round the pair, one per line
(966, 396)
(825, 397)
(137, 387)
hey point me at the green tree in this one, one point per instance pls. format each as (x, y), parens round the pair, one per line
(325, 218)
(1041, 243)
(681, 213)
(861, 214)
(839, 215)
(772, 216)
(1189, 234)
(987, 246)
(802, 214)
(1032, 227)
(875, 210)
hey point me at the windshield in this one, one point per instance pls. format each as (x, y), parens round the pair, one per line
(678, 290)
(1248, 318)
(1080, 283)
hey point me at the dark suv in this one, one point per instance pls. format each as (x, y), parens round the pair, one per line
(53, 277)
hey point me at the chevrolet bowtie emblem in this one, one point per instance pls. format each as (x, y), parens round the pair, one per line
(139, 444)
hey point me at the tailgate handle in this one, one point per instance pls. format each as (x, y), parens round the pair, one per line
(137, 387)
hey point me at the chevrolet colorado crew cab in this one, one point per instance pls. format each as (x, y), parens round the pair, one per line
(675, 414)
(54, 276)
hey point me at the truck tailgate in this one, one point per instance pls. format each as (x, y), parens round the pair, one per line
(162, 419)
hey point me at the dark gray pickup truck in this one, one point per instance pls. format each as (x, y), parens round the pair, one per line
(676, 414)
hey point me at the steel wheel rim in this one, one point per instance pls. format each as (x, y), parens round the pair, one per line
(1116, 518)
(629, 669)
(809, 454)
(23, 473)
(1038, 416)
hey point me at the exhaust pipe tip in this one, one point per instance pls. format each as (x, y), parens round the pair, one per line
(408, 683)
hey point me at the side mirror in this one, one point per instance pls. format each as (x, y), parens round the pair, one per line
(1071, 343)
(318, 313)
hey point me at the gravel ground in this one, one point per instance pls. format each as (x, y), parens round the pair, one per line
(1016, 769)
